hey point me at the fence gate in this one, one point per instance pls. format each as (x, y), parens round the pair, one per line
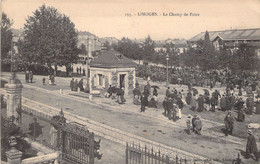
(74, 140)
(76, 143)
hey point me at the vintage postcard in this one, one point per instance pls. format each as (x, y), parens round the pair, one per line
(130, 82)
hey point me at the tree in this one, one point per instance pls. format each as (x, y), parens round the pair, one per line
(6, 37)
(107, 45)
(245, 59)
(128, 48)
(148, 49)
(50, 38)
(83, 49)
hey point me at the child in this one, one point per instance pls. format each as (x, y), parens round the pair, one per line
(188, 122)
(43, 81)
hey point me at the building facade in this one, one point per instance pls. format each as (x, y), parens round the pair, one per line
(91, 42)
(112, 68)
(230, 40)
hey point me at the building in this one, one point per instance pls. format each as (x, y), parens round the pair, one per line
(91, 42)
(160, 46)
(179, 46)
(230, 40)
(193, 42)
(112, 68)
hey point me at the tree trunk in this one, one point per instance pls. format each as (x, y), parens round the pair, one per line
(56, 69)
(67, 69)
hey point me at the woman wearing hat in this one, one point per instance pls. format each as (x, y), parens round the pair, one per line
(251, 146)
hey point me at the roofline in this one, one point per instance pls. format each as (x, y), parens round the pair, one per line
(110, 67)
(239, 39)
(223, 31)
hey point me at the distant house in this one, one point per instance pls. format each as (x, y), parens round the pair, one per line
(91, 42)
(193, 42)
(179, 46)
(160, 45)
(112, 68)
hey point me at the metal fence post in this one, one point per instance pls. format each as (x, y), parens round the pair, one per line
(167, 159)
(126, 154)
(91, 151)
(34, 128)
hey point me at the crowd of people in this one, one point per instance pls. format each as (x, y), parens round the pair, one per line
(197, 77)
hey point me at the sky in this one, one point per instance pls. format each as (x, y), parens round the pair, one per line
(111, 18)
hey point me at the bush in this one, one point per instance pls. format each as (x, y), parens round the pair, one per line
(8, 129)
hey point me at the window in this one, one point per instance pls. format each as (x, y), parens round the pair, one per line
(119, 56)
(100, 80)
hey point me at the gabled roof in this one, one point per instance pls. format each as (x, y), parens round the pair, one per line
(234, 34)
(200, 36)
(241, 34)
(112, 59)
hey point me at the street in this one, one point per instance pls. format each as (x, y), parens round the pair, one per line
(123, 123)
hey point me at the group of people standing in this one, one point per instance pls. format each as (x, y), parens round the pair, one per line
(78, 69)
(28, 76)
(76, 85)
(146, 95)
(116, 93)
(194, 124)
(173, 104)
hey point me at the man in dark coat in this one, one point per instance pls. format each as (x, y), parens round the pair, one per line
(200, 104)
(168, 92)
(81, 85)
(239, 104)
(241, 115)
(72, 84)
(229, 123)
(216, 95)
(75, 88)
(223, 103)
(143, 103)
(109, 91)
(147, 88)
(193, 121)
(188, 98)
(165, 105)
(250, 105)
(251, 146)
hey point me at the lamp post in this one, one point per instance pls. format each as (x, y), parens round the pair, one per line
(12, 62)
(167, 80)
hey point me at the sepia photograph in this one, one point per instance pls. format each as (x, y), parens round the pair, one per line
(130, 82)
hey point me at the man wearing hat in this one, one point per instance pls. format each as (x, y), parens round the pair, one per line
(229, 123)
(193, 121)
(200, 103)
(251, 146)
